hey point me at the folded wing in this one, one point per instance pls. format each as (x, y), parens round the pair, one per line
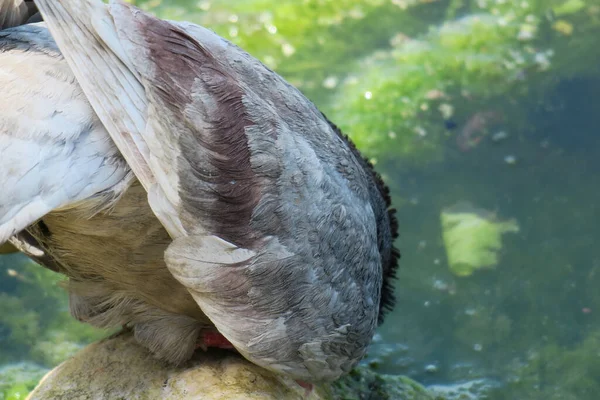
(270, 210)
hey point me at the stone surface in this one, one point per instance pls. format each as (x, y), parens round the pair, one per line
(118, 368)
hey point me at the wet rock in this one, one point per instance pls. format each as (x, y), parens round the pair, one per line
(365, 384)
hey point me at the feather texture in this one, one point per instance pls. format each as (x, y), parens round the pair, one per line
(16, 12)
(282, 232)
(71, 203)
(55, 153)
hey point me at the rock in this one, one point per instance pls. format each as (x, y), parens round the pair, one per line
(365, 384)
(118, 368)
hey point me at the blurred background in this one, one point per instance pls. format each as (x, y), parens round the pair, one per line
(483, 116)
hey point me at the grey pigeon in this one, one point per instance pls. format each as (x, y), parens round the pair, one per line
(182, 186)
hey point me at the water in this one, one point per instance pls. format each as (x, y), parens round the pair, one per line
(490, 103)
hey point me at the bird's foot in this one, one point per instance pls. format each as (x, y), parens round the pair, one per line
(213, 339)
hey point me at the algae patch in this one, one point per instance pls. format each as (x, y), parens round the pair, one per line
(472, 237)
(16, 380)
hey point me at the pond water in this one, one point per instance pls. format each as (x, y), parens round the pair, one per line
(484, 118)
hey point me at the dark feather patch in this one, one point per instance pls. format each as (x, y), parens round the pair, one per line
(387, 229)
(219, 185)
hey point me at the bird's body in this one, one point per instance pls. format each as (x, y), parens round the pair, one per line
(185, 187)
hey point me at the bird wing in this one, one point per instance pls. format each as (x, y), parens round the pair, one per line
(103, 62)
(54, 152)
(274, 234)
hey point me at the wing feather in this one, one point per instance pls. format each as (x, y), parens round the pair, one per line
(86, 33)
(54, 151)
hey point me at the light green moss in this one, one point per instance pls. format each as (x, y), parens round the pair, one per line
(35, 316)
(17, 380)
(472, 238)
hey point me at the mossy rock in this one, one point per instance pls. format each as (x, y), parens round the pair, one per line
(365, 384)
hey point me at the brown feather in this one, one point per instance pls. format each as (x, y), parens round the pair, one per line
(117, 274)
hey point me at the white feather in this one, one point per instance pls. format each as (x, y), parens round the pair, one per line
(53, 150)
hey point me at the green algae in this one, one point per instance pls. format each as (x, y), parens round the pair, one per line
(472, 238)
(554, 372)
(34, 316)
(364, 383)
(17, 380)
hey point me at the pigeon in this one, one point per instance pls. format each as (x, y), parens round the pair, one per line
(185, 189)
